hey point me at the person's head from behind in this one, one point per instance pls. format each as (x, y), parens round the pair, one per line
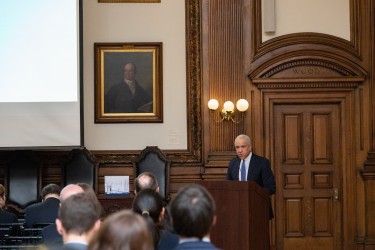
(129, 71)
(146, 180)
(77, 215)
(193, 212)
(123, 230)
(51, 190)
(87, 188)
(2, 196)
(243, 146)
(149, 204)
(70, 190)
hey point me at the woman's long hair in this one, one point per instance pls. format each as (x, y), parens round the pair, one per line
(149, 204)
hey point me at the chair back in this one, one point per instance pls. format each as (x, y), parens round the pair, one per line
(152, 159)
(81, 166)
(23, 173)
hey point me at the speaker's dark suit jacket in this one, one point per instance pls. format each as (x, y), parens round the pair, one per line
(43, 212)
(196, 245)
(259, 171)
(7, 217)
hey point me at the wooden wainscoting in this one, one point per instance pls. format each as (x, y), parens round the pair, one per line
(184, 168)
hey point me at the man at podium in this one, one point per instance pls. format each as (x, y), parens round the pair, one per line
(247, 166)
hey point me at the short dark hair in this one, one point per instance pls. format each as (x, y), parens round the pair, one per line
(50, 189)
(193, 210)
(149, 204)
(87, 188)
(78, 213)
(122, 230)
(151, 183)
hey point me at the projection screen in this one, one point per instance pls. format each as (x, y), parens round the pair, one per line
(40, 73)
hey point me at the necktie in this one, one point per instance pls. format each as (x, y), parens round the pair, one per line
(243, 171)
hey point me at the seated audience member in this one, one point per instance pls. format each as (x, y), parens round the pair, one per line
(149, 204)
(122, 230)
(51, 238)
(5, 217)
(193, 213)
(90, 191)
(44, 212)
(78, 220)
(147, 180)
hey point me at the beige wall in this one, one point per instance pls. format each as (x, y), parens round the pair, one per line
(141, 22)
(323, 16)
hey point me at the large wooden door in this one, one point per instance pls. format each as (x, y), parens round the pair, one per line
(308, 153)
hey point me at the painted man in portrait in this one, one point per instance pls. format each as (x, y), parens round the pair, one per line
(128, 96)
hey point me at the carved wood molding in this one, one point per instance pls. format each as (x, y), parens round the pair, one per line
(314, 71)
(193, 80)
(124, 158)
(368, 175)
(311, 63)
(307, 85)
(288, 83)
(369, 165)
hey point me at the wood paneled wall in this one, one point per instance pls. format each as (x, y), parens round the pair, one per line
(297, 69)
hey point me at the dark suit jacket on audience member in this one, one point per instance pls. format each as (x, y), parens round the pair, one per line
(51, 238)
(166, 221)
(7, 217)
(43, 212)
(74, 246)
(167, 241)
(196, 245)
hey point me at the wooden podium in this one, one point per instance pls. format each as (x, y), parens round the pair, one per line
(242, 215)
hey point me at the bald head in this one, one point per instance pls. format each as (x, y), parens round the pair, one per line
(146, 180)
(70, 190)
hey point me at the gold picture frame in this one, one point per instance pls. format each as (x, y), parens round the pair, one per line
(129, 1)
(128, 82)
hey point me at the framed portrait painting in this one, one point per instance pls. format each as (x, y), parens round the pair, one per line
(128, 82)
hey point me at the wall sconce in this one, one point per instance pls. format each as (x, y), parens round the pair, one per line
(228, 112)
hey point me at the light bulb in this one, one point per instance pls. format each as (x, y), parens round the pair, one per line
(228, 106)
(242, 105)
(213, 104)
